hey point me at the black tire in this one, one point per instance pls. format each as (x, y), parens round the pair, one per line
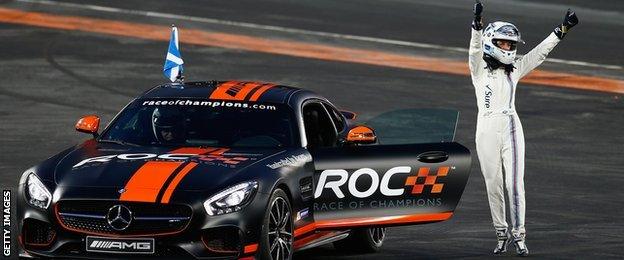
(362, 240)
(276, 242)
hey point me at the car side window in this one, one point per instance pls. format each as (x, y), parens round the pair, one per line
(336, 117)
(320, 131)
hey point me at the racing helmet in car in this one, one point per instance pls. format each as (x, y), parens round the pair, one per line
(168, 125)
(501, 31)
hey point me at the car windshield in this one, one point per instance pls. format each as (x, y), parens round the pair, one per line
(201, 122)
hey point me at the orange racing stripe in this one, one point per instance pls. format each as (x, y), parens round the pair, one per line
(148, 180)
(172, 186)
(192, 150)
(294, 48)
(233, 90)
(383, 220)
(261, 91)
(222, 88)
(220, 151)
(305, 229)
(358, 222)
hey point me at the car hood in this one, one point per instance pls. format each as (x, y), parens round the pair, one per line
(145, 169)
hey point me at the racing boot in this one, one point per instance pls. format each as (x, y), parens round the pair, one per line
(520, 244)
(503, 241)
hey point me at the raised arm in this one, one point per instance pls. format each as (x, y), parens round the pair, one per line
(475, 52)
(538, 54)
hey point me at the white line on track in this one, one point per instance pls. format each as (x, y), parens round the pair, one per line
(290, 30)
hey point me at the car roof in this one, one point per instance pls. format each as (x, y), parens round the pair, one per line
(242, 91)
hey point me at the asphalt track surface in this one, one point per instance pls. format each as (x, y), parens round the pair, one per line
(574, 151)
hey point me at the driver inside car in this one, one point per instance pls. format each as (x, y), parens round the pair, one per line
(168, 125)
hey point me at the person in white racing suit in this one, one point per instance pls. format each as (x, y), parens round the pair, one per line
(495, 73)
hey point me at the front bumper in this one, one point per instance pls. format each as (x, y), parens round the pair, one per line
(229, 236)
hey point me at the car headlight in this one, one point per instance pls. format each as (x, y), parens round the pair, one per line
(231, 199)
(37, 194)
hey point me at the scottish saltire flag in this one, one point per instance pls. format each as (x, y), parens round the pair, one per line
(173, 62)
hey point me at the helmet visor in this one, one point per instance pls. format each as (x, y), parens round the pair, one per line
(504, 44)
(510, 31)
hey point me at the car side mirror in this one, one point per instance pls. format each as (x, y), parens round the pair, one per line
(348, 114)
(88, 124)
(361, 135)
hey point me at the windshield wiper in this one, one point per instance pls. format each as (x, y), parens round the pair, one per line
(119, 142)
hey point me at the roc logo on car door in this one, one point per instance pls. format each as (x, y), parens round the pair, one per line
(335, 180)
(424, 178)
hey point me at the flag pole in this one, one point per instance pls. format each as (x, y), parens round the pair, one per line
(179, 77)
(173, 67)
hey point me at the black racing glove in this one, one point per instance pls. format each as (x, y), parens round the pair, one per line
(569, 21)
(477, 23)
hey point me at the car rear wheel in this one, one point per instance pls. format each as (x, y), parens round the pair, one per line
(277, 228)
(363, 240)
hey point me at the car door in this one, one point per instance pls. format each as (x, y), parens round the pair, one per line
(392, 182)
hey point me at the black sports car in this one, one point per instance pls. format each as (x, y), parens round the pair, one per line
(232, 170)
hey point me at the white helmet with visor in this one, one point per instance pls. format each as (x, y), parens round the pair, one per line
(496, 33)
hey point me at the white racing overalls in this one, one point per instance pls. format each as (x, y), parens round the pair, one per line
(499, 136)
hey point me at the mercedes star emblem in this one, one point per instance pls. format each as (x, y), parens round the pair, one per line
(119, 217)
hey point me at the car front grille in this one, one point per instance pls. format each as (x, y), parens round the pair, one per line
(148, 219)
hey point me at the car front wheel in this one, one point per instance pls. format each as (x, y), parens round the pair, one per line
(277, 228)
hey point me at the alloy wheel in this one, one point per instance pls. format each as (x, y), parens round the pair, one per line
(280, 230)
(377, 234)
